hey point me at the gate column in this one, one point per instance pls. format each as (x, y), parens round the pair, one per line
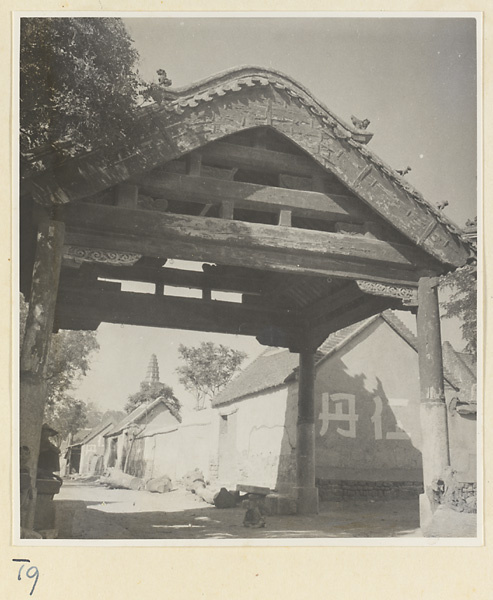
(306, 492)
(433, 409)
(39, 327)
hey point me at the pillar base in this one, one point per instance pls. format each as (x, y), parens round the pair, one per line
(306, 500)
(426, 511)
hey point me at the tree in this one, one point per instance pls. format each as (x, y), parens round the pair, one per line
(79, 84)
(67, 362)
(460, 291)
(151, 391)
(461, 286)
(207, 369)
(67, 415)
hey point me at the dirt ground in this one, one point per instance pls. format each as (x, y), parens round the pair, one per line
(88, 510)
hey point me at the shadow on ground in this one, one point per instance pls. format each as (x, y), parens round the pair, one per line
(91, 511)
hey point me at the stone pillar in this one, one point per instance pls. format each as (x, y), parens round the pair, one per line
(34, 350)
(306, 492)
(433, 410)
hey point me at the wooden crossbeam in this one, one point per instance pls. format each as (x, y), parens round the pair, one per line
(177, 278)
(258, 159)
(250, 196)
(265, 247)
(75, 305)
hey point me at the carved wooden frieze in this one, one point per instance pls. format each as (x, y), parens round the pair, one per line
(408, 294)
(79, 255)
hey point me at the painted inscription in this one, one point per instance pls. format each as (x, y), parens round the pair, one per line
(344, 406)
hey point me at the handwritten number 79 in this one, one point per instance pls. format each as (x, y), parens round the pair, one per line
(31, 573)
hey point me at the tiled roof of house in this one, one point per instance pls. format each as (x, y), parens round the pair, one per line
(79, 436)
(105, 424)
(464, 376)
(274, 368)
(469, 360)
(266, 372)
(137, 414)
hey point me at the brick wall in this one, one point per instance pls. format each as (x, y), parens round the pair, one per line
(333, 489)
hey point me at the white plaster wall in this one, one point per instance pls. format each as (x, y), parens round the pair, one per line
(378, 372)
(259, 438)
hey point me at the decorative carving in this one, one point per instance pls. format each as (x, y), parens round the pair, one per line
(80, 255)
(408, 294)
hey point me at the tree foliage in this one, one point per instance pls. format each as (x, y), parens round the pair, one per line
(79, 83)
(207, 369)
(151, 391)
(66, 415)
(67, 362)
(460, 302)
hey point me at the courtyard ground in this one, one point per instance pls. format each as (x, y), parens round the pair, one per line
(88, 510)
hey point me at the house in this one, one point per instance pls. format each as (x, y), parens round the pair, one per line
(134, 444)
(367, 415)
(70, 459)
(92, 446)
(125, 442)
(86, 450)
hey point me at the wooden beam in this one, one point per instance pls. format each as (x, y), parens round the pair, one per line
(193, 163)
(258, 159)
(285, 218)
(250, 196)
(178, 278)
(150, 310)
(127, 195)
(265, 260)
(259, 246)
(227, 210)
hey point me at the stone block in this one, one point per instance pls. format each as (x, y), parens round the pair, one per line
(279, 504)
(252, 489)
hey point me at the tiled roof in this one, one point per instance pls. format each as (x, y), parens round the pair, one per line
(469, 361)
(406, 334)
(266, 372)
(106, 423)
(137, 414)
(341, 337)
(79, 436)
(274, 368)
(464, 377)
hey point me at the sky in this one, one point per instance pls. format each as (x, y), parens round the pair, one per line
(413, 78)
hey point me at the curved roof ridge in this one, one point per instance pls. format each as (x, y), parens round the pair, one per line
(193, 92)
(145, 151)
(252, 71)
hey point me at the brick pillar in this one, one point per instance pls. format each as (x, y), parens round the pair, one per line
(306, 492)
